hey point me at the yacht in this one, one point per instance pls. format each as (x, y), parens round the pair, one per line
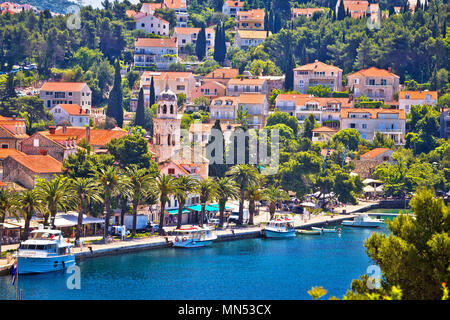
(193, 237)
(46, 251)
(280, 228)
(363, 220)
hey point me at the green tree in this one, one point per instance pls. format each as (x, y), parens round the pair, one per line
(227, 189)
(183, 186)
(308, 125)
(152, 93)
(274, 195)
(115, 109)
(319, 91)
(279, 117)
(206, 189)
(27, 202)
(200, 45)
(131, 149)
(166, 187)
(348, 137)
(140, 110)
(6, 208)
(416, 256)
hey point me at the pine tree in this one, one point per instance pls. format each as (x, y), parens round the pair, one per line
(139, 119)
(200, 45)
(115, 109)
(152, 93)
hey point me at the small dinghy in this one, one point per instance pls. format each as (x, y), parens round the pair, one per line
(309, 232)
(323, 229)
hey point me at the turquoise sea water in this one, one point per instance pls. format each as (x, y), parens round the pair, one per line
(247, 269)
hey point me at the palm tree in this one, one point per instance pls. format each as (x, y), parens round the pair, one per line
(207, 190)
(244, 175)
(165, 184)
(110, 181)
(140, 184)
(274, 194)
(242, 116)
(27, 202)
(184, 185)
(85, 191)
(6, 203)
(54, 195)
(253, 194)
(227, 189)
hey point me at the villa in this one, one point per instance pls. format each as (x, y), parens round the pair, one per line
(243, 39)
(70, 113)
(151, 24)
(210, 90)
(178, 82)
(224, 109)
(317, 73)
(323, 134)
(407, 99)
(257, 107)
(376, 84)
(190, 35)
(54, 93)
(222, 75)
(368, 122)
(231, 8)
(250, 20)
(236, 87)
(179, 6)
(159, 53)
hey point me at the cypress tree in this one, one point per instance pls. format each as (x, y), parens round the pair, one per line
(10, 90)
(289, 70)
(216, 169)
(152, 93)
(216, 43)
(200, 45)
(341, 11)
(115, 109)
(139, 119)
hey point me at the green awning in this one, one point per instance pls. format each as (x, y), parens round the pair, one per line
(175, 211)
(216, 205)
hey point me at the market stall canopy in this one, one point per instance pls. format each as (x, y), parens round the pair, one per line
(70, 219)
(207, 208)
(216, 205)
(175, 211)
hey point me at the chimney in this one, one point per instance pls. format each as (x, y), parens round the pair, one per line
(389, 69)
(43, 152)
(88, 133)
(52, 129)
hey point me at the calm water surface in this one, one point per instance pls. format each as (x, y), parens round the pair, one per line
(246, 269)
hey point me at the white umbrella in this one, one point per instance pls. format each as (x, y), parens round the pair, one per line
(369, 189)
(369, 181)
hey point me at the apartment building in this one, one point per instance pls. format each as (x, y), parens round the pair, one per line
(250, 20)
(178, 82)
(155, 52)
(376, 84)
(54, 93)
(236, 87)
(407, 99)
(224, 109)
(210, 90)
(231, 8)
(190, 35)
(317, 73)
(178, 5)
(70, 113)
(257, 107)
(368, 122)
(243, 39)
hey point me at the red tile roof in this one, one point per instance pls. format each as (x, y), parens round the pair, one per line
(39, 163)
(374, 72)
(373, 112)
(98, 137)
(156, 42)
(235, 4)
(180, 30)
(374, 153)
(223, 73)
(324, 130)
(63, 86)
(4, 153)
(417, 95)
(72, 109)
(318, 66)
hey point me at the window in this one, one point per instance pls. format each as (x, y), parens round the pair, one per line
(36, 143)
(383, 82)
(364, 125)
(4, 146)
(356, 81)
(353, 125)
(171, 171)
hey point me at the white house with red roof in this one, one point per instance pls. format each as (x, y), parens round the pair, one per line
(155, 52)
(70, 113)
(376, 84)
(231, 8)
(178, 5)
(54, 93)
(317, 73)
(151, 24)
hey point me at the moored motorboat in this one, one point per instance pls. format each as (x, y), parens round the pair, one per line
(308, 232)
(324, 230)
(280, 228)
(193, 237)
(46, 251)
(363, 221)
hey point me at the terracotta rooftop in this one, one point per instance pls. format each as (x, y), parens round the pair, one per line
(235, 4)
(253, 34)
(252, 98)
(156, 42)
(63, 86)
(72, 109)
(39, 163)
(374, 72)
(243, 82)
(302, 99)
(175, 4)
(318, 66)
(140, 15)
(373, 112)
(223, 73)
(4, 153)
(180, 30)
(147, 76)
(417, 95)
(251, 14)
(222, 101)
(374, 153)
(98, 137)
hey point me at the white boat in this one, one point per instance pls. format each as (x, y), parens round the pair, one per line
(193, 237)
(324, 230)
(363, 220)
(46, 251)
(280, 228)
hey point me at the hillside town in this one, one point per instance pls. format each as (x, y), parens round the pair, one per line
(159, 111)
